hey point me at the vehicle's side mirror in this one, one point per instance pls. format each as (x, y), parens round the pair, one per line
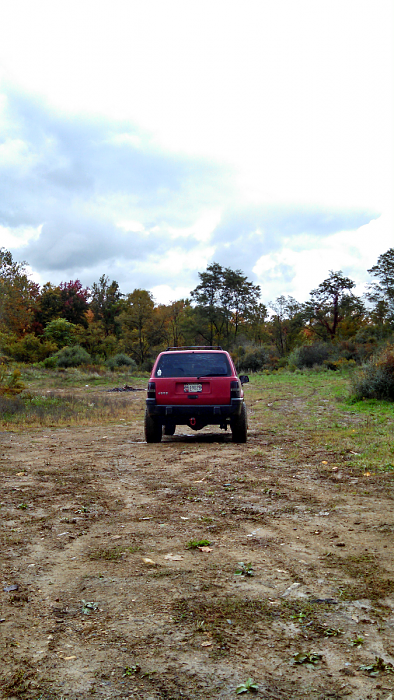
(244, 378)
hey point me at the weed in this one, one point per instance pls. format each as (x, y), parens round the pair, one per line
(200, 626)
(88, 607)
(333, 632)
(308, 658)
(249, 685)
(195, 544)
(131, 670)
(244, 569)
(299, 616)
(357, 641)
(379, 666)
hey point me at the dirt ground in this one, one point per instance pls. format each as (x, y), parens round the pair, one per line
(94, 515)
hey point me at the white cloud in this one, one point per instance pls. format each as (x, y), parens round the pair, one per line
(131, 226)
(166, 294)
(201, 230)
(309, 258)
(291, 102)
(297, 95)
(19, 236)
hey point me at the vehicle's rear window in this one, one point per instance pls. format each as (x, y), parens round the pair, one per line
(193, 364)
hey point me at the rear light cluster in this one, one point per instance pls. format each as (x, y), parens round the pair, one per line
(235, 390)
(151, 390)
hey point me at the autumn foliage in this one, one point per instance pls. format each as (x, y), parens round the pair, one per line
(82, 324)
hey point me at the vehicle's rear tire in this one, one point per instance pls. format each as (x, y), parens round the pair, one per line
(152, 429)
(169, 429)
(239, 426)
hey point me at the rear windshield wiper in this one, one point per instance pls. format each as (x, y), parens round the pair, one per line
(214, 374)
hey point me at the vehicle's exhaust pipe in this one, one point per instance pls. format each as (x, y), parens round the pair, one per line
(192, 422)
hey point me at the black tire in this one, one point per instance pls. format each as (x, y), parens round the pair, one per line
(239, 426)
(169, 429)
(152, 429)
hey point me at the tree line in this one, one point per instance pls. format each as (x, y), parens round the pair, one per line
(225, 308)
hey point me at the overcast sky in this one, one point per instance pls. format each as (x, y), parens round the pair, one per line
(143, 139)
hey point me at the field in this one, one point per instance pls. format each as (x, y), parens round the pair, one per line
(181, 570)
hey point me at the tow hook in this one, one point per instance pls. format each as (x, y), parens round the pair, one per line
(192, 422)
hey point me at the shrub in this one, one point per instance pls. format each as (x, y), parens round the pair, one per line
(121, 360)
(49, 362)
(60, 331)
(310, 355)
(10, 384)
(147, 365)
(253, 360)
(72, 357)
(377, 378)
(29, 348)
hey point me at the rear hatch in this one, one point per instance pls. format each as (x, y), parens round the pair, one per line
(193, 378)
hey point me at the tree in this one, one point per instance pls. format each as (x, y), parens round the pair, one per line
(18, 295)
(286, 322)
(227, 299)
(105, 303)
(174, 324)
(74, 302)
(330, 303)
(167, 323)
(61, 332)
(239, 298)
(136, 320)
(382, 292)
(257, 329)
(207, 296)
(50, 305)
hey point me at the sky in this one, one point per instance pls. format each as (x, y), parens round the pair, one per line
(144, 139)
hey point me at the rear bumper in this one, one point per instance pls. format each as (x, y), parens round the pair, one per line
(181, 414)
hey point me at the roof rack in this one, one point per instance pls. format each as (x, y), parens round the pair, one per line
(196, 347)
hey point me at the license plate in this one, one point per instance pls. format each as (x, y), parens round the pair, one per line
(192, 387)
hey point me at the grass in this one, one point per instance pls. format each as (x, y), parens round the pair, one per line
(369, 579)
(112, 553)
(307, 415)
(34, 377)
(52, 410)
(330, 427)
(54, 398)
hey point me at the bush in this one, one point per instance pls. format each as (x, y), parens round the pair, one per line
(29, 348)
(60, 331)
(72, 357)
(377, 378)
(310, 355)
(10, 384)
(49, 362)
(253, 360)
(121, 360)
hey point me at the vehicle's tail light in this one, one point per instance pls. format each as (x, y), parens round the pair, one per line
(151, 390)
(235, 391)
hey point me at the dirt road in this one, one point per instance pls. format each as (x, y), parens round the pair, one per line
(105, 593)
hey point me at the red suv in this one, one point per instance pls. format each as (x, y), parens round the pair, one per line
(195, 386)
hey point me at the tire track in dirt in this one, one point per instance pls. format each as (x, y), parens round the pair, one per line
(108, 519)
